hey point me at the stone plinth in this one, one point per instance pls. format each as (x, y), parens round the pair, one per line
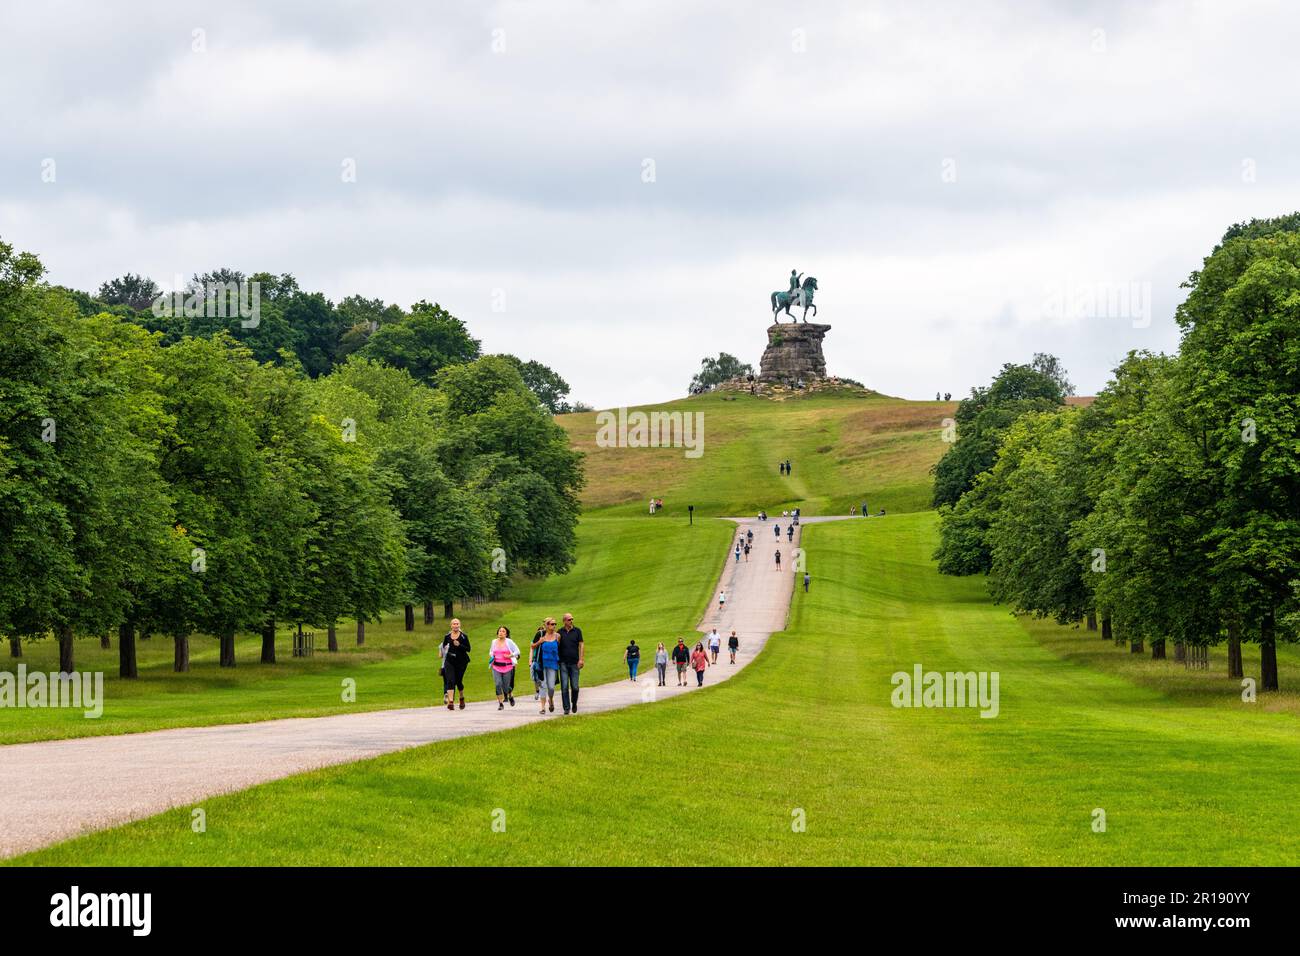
(793, 354)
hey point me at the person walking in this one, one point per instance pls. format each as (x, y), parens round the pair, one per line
(737, 552)
(733, 645)
(715, 645)
(776, 530)
(722, 600)
(535, 662)
(504, 655)
(572, 658)
(547, 649)
(699, 661)
(788, 469)
(789, 533)
(864, 509)
(749, 534)
(807, 580)
(746, 551)
(778, 559)
(681, 657)
(661, 664)
(632, 657)
(455, 658)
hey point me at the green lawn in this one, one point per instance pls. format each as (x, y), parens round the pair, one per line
(1185, 772)
(844, 448)
(654, 565)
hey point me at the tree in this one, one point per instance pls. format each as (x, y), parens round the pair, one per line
(425, 342)
(543, 382)
(714, 371)
(136, 292)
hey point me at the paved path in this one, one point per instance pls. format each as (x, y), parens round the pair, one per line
(53, 790)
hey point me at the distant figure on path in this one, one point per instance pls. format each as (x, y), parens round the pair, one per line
(733, 645)
(776, 530)
(865, 512)
(715, 645)
(746, 550)
(737, 553)
(699, 661)
(547, 648)
(807, 580)
(681, 657)
(853, 509)
(778, 559)
(573, 655)
(661, 664)
(632, 657)
(788, 469)
(789, 533)
(505, 655)
(749, 534)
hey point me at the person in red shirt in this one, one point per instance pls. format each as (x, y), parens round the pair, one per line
(699, 660)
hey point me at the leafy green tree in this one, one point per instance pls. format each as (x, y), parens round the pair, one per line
(131, 290)
(714, 371)
(550, 389)
(429, 339)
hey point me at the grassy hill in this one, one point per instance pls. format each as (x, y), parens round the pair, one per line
(843, 446)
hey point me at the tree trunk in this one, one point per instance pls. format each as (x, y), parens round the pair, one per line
(447, 610)
(1267, 653)
(66, 664)
(15, 647)
(105, 641)
(1158, 650)
(333, 638)
(1092, 620)
(1180, 651)
(1135, 647)
(181, 660)
(428, 612)
(361, 632)
(227, 642)
(126, 666)
(1106, 634)
(410, 617)
(268, 641)
(1234, 650)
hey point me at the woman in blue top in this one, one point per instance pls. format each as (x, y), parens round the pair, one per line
(547, 649)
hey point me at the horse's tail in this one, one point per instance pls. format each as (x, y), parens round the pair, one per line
(774, 295)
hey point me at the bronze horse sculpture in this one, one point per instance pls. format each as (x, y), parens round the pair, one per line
(782, 301)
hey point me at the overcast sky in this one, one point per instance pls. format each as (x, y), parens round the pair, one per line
(615, 189)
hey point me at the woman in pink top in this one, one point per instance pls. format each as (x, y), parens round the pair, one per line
(504, 655)
(699, 660)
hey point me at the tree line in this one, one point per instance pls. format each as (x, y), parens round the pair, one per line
(1169, 508)
(190, 480)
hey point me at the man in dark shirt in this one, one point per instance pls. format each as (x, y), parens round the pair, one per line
(572, 657)
(681, 657)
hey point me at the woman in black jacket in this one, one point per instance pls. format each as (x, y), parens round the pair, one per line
(455, 658)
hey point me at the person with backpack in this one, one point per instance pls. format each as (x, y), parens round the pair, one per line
(778, 559)
(699, 661)
(661, 664)
(455, 658)
(535, 663)
(504, 656)
(632, 657)
(681, 657)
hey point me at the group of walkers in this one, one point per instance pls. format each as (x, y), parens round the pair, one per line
(785, 467)
(556, 657)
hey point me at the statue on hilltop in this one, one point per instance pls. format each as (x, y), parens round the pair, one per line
(800, 293)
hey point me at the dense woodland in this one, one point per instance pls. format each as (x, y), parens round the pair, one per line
(1168, 510)
(178, 474)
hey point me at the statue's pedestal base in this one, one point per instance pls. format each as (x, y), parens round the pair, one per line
(794, 354)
